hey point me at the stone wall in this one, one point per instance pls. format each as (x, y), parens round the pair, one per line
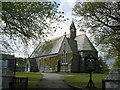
(113, 76)
(75, 64)
(5, 77)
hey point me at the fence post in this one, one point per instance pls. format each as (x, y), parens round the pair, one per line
(103, 84)
(26, 82)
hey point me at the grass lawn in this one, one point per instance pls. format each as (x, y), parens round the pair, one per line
(33, 78)
(81, 79)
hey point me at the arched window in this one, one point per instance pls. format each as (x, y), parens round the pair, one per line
(64, 57)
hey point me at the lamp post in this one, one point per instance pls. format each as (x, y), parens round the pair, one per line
(90, 63)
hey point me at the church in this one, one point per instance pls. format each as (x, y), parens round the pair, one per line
(63, 54)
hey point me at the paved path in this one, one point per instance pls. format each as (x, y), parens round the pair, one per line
(53, 81)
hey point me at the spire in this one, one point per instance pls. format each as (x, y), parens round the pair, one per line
(65, 34)
(72, 26)
(72, 30)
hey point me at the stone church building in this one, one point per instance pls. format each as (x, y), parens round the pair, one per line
(64, 54)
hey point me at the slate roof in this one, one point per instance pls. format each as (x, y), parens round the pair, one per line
(52, 47)
(48, 48)
(73, 45)
(84, 43)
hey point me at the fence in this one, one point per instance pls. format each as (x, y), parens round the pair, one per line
(19, 83)
(105, 80)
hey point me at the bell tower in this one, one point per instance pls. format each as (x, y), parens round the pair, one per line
(72, 30)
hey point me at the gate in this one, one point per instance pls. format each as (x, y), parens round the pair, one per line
(19, 83)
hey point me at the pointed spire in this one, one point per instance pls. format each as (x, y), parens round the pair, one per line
(72, 26)
(65, 34)
(72, 30)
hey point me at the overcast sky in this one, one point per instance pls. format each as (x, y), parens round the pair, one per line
(65, 6)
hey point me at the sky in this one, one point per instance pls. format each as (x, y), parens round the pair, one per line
(65, 6)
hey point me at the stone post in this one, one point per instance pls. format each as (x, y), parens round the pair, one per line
(112, 81)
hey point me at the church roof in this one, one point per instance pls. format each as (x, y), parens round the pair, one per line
(52, 47)
(84, 43)
(48, 47)
(73, 45)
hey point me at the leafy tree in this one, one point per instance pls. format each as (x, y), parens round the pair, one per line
(20, 64)
(102, 20)
(104, 65)
(21, 61)
(7, 48)
(29, 21)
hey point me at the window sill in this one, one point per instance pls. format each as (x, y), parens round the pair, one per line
(64, 63)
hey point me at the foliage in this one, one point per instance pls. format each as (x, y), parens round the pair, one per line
(33, 78)
(49, 62)
(48, 45)
(69, 57)
(7, 47)
(104, 65)
(102, 20)
(29, 19)
(25, 22)
(20, 64)
(21, 61)
(53, 61)
(116, 64)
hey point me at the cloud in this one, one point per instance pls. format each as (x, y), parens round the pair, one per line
(66, 7)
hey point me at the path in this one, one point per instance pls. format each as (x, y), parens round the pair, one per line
(53, 81)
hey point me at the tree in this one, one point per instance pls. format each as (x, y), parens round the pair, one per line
(7, 48)
(104, 65)
(102, 20)
(20, 64)
(28, 21)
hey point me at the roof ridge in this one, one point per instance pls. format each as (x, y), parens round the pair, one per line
(63, 35)
(80, 35)
(57, 38)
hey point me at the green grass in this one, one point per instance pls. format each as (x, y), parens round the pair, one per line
(33, 78)
(81, 79)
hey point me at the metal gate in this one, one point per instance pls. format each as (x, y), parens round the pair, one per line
(19, 83)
